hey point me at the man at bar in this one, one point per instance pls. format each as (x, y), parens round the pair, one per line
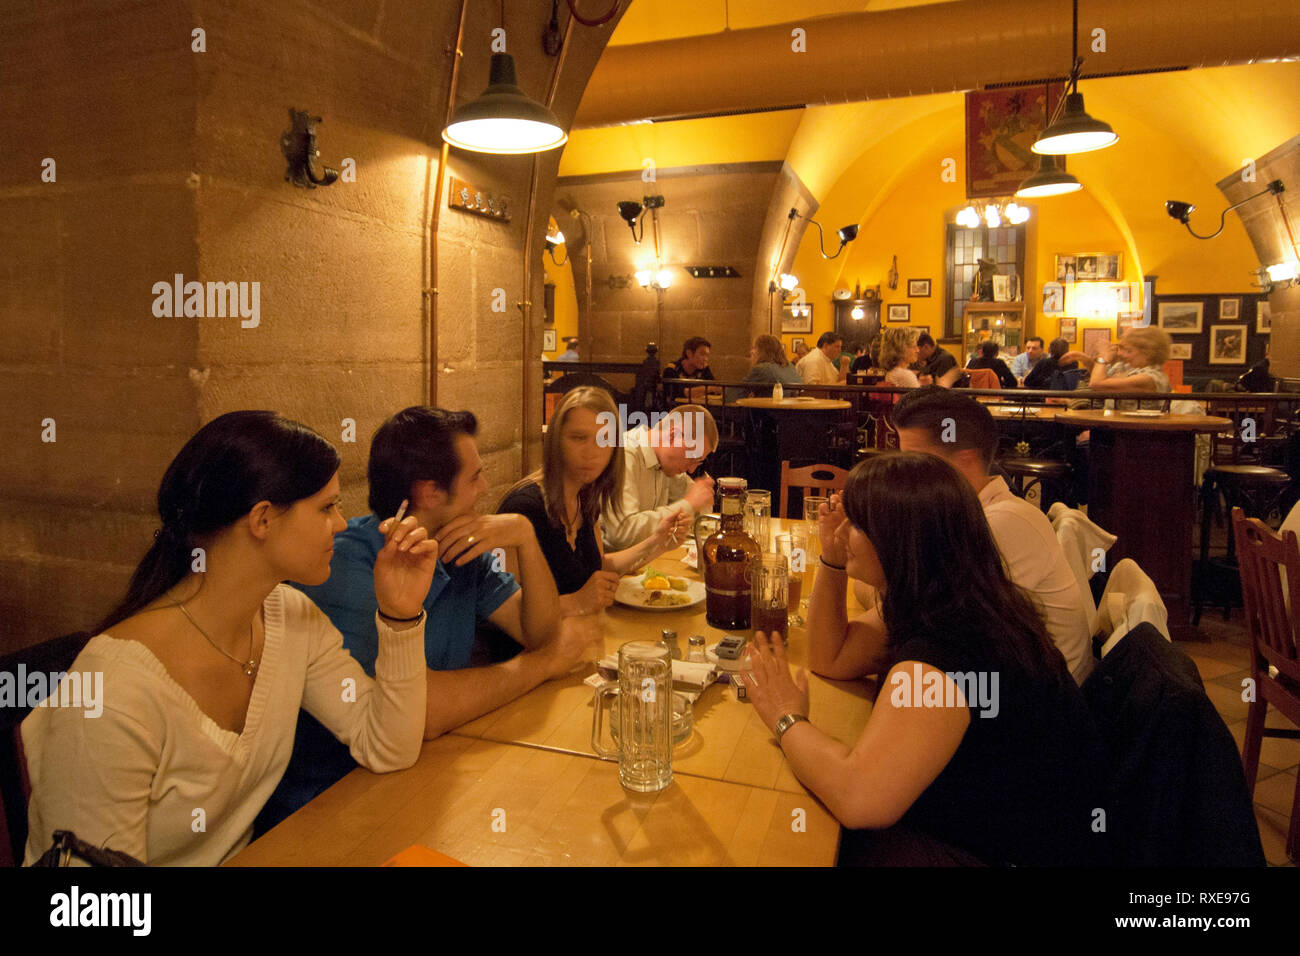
(961, 431)
(428, 458)
(821, 366)
(658, 461)
(936, 363)
(693, 363)
(1027, 359)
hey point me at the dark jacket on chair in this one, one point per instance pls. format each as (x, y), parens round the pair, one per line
(1177, 793)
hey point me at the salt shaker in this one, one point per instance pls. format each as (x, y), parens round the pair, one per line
(696, 651)
(778, 392)
(668, 639)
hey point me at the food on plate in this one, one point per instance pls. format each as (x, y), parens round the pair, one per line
(666, 598)
(657, 583)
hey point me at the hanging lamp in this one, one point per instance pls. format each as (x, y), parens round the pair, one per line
(504, 119)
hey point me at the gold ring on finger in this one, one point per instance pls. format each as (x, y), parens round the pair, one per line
(470, 540)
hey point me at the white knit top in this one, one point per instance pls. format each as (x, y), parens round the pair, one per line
(155, 777)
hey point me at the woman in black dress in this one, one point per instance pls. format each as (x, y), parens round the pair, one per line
(980, 745)
(579, 477)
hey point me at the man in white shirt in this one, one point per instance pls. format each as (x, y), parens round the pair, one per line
(657, 461)
(821, 365)
(1027, 359)
(937, 421)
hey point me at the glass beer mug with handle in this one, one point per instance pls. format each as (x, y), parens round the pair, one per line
(645, 717)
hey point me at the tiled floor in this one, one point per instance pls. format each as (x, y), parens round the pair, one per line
(1223, 663)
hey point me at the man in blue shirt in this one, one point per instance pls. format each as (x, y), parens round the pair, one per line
(1027, 359)
(428, 458)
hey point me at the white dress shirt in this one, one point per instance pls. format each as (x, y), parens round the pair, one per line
(816, 369)
(648, 494)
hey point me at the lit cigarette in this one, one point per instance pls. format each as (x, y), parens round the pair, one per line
(401, 513)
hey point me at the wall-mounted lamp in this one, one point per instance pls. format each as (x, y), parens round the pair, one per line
(631, 211)
(857, 313)
(1182, 211)
(658, 279)
(552, 242)
(299, 147)
(846, 234)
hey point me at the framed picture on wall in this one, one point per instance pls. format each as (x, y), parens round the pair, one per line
(1228, 345)
(796, 318)
(1069, 329)
(548, 340)
(1095, 341)
(794, 346)
(1001, 126)
(1180, 318)
(1181, 350)
(1263, 317)
(918, 288)
(1002, 288)
(900, 312)
(1229, 309)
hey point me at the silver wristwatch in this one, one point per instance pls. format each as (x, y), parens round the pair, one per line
(785, 723)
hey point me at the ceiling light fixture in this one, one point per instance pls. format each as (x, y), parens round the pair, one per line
(1072, 130)
(994, 212)
(504, 119)
(1182, 211)
(1049, 180)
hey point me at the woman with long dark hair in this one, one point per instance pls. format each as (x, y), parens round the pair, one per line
(580, 477)
(209, 656)
(979, 742)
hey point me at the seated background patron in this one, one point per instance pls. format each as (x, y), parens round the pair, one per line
(988, 358)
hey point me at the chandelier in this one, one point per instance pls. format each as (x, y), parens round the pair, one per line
(993, 213)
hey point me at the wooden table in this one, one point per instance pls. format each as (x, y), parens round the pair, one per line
(1140, 488)
(801, 433)
(733, 799)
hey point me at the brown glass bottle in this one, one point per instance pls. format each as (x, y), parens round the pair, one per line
(728, 554)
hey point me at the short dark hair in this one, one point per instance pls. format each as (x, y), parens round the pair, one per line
(950, 418)
(1058, 348)
(989, 348)
(416, 444)
(693, 343)
(829, 338)
(925, 338)
(1035, 338)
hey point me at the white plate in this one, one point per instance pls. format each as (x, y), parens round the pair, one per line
(631, 593)
(1142, 413)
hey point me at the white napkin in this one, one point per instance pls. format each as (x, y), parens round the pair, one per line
(691, 559)
(689, 673)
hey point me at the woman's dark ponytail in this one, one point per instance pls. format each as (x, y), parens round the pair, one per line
(229, 465)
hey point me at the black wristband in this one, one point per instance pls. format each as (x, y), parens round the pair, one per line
(836, 567)
(402, 620)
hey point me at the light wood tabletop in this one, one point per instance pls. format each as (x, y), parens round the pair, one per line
(1165, 422)
(729, 742)
(493, 804)
(795, 404)
(522, 786)
(1040, 413)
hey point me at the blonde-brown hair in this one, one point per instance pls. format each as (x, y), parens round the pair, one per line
(894, 344)
(595, 497)
(1154, 343)
(768, 348)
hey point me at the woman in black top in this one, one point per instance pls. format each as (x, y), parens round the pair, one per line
(988, 358)
(1050, 371)
(979, 737)
(580, 475)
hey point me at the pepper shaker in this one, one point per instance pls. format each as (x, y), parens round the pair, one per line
(668, 639)
(696, 649)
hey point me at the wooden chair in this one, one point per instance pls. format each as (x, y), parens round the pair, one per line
(983, 378)
(1274, 633)
(813, 480)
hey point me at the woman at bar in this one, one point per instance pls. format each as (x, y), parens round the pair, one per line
(208, 658)
(1134, 364)
(770, 365)
(980, 747)
(579, 477)
(898, 351)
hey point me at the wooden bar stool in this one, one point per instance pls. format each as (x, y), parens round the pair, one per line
(1052, 478)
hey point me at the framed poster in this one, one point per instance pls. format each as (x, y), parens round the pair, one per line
(918, 288)
(1180, 318)
(548, 340)
(1069, 329)
(899, 312)
(1053, 298)
(1181, 350)
(1095, 341)
(1229, 309)
(1263, 317)
(794, 346)
(1001, 126)
(1002, 288)
(1090, 267)
(1228, 345)
(796, 318)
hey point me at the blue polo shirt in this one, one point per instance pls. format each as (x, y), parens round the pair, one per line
(458, 599)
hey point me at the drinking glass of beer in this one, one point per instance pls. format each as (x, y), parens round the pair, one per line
(770, 607)
(793, 546)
